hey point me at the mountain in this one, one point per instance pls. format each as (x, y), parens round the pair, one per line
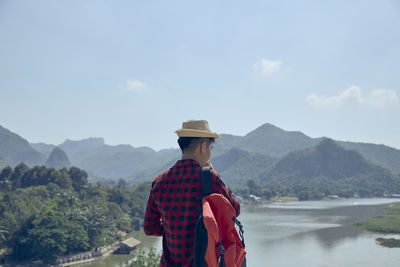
(150, 173)
(74, 148)
(385, 156)
(43, 148)
(114, 162)
(237, 158)
(268, 140)
(237, 166)
(330, 167)
(58, 159)
(3, 163)
(271, 140)
(14, 149)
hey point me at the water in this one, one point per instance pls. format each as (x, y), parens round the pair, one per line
(311, 233)
(315, 233)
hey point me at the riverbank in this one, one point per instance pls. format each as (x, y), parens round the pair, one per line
(388, 224)
(124, 247)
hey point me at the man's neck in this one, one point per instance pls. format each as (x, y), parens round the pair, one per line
(190, 156)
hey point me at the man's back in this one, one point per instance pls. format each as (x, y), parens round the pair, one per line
(173, 208)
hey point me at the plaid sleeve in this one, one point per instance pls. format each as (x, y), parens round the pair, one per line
(152, 220)
(219, 186)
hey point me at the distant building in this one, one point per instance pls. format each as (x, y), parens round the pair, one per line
(332, 196)
(394, 196)
(127, 246)
(255, 198)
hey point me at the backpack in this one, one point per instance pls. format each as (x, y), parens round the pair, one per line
(217, 242)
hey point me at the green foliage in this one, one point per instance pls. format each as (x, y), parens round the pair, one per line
(385, 156)
(143, 259)
(236, 166)
(389, 223)
(389, 242)
(329, 169)
(47, 213)
(50, 236)
(254, 189)
(309, 174)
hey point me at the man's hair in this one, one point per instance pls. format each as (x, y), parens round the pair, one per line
(188, 143)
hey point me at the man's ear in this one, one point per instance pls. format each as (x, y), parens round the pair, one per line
(203, 147)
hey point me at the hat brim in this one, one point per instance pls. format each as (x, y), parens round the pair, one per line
(196, 133)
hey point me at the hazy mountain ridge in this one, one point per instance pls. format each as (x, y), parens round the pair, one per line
(120, 161)
(385, 156)
(76, 147)
(237, 166)
(58, 159)
(43, 148)
(271, 140)
(267, 140)
(14, 149)
(237, 158)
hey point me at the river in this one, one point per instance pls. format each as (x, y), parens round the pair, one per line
(307, 233)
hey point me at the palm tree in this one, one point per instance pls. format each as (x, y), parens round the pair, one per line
(95, 222)
(3, 234)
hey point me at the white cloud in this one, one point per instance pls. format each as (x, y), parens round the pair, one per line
(267, 67)
(377, 98)
(380, 97)
(136, 86)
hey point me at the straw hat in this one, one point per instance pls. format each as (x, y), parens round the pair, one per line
(196, 128)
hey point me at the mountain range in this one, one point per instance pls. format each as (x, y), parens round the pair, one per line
(328, 167)
(273, 141)
(265, 154)
(58, 159)
(15, 149)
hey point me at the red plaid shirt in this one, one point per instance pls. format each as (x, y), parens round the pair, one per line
(173, 208)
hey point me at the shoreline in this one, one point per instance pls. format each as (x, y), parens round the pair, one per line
(387, 224)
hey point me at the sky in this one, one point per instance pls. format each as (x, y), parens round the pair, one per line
(132, 71)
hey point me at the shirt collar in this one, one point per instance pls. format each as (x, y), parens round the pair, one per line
(186, 162)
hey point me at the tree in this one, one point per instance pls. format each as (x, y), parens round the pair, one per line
(6, 173)
(303, 195)
(122, 183)
(266, 193)
(152, 258)
(51, 236)
(3, 234)
(94, 218)
(254, 189)
(79, 178)
(17, 174)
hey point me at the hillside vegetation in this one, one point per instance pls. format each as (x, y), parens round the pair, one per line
(14, 149)
(47, 213)
(237, 166)
(330, 169)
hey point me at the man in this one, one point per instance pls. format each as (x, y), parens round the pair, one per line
(175, 196)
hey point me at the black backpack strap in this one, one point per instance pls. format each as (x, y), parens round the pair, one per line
(201, 238)
(205, 180)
